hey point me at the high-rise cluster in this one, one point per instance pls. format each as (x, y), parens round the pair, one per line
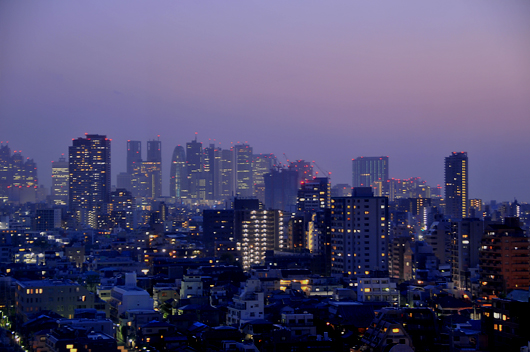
(18, 176)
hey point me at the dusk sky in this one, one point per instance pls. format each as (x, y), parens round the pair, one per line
(323, 81)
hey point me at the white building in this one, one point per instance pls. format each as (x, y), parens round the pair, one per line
(129, 297)
(248, 305)
(191, 286)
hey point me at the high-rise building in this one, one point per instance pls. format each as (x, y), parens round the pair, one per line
(5, 171)
(456, 185)
(89, 166)
(303, 168)
(504, 259)
(194, 165)
(244, 179)
(257, 231)
(261, 165)
(121, 209)
(60, 176)
(281, 188)
(178, 176)
(209, 171)
(467, 235)
(226, 174)
(152, 169)
(134, 155)
(314, 195)
(359, 230)
(371, 172)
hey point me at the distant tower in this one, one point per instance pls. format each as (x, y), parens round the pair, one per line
(134, 155)
(178, 175)
(152, 169)
(226, 174)
(195, 167)
(89, 166)
(456, 185)
(370, 172)
(60, 176)
(244, 181)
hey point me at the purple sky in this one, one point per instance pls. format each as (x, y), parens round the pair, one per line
(323, 81)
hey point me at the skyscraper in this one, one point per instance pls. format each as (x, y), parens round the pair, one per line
(152, 169)
(60, 175)
(177, 176)
(134, 155)
(370, 172)
(456, 185)
(194, 164)
(89, 166)
(244, 180)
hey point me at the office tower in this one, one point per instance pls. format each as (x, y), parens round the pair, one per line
(261, 165)
(194, 164)
(5, 171)
(456, 185)
(134, 155)
(281, 189)
(18, 177)
(154, 151)
(371, 172)
(178, 175)
(303, 168)
(465, 244)
(244, 180)
(124, 180)
(60, 176)
(89, 166)
(209, 171)
(359, 230)
(503, 259)
(152, 170)
(226, 174)
(314, 195)
(121, 209)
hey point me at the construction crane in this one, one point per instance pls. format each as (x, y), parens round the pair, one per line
(323, 171)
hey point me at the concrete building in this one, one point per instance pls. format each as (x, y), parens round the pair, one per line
(129, 297)
(62, 297)
(359, 230)
(248, 305)
(371, 289)
(504, 259)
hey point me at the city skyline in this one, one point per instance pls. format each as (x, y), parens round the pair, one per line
(413, 81)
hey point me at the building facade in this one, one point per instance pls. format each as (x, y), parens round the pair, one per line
(456, 185)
